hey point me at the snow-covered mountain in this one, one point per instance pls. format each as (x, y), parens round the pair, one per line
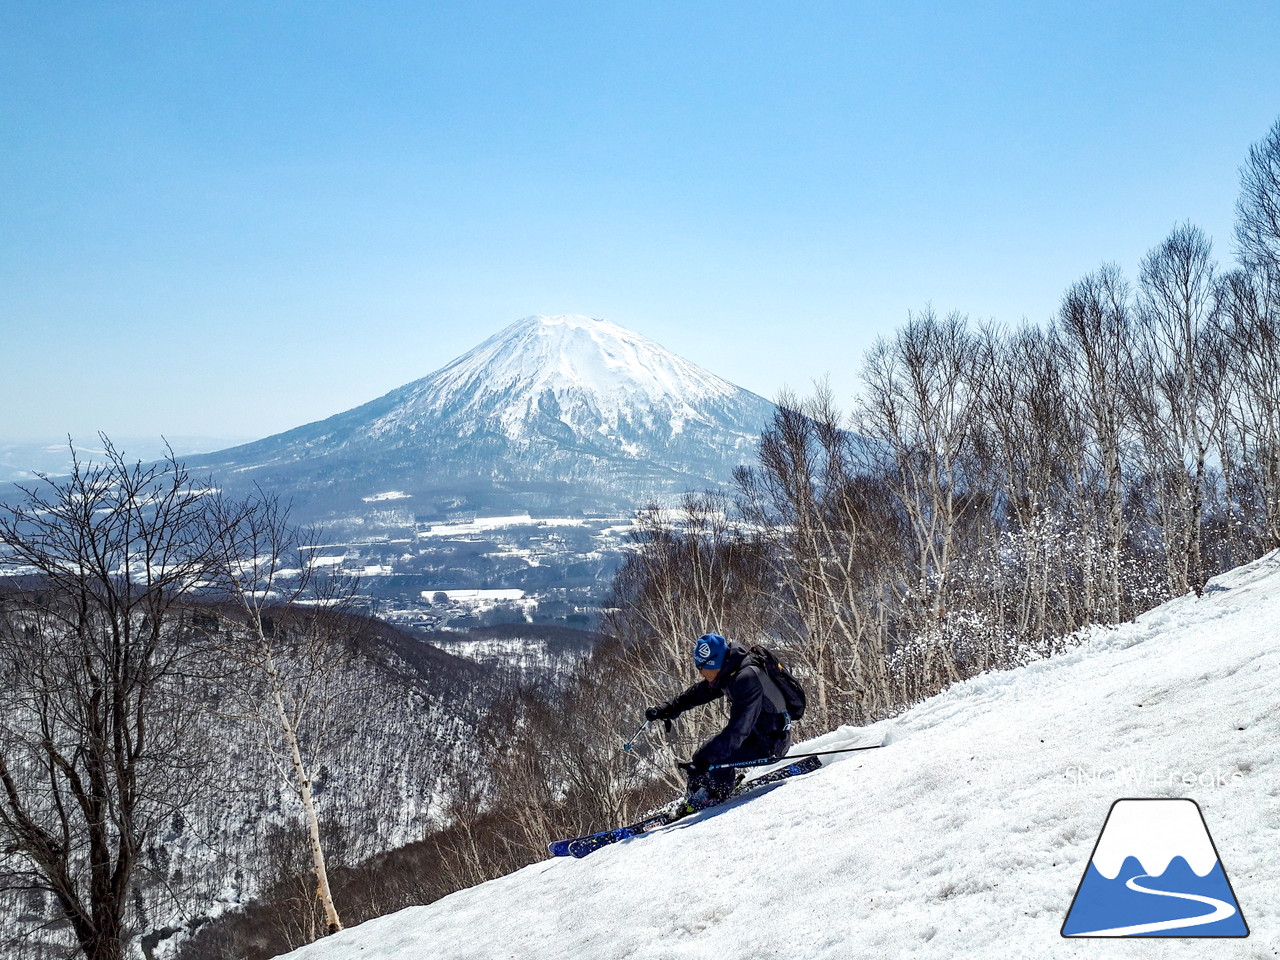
(965, 836)
(564, 413)
(590, 375)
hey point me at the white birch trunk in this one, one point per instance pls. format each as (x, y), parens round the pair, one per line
(302, 780)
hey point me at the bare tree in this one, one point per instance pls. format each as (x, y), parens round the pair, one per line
(1034, 449)
(919, 410)
(283, 630)
(98, 746)
(1252, 302)
(1258, 207)
(1095, 330)
(1172, 399)
(831, 528)
(1250, 326)
(787, 491)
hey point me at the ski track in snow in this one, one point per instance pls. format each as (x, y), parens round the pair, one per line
(965, 836)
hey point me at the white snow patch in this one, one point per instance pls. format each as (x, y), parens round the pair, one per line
(478, 525)
(388, 495)
(475, 596)
(482, 525)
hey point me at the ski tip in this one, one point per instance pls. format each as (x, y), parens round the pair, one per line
(559, 848)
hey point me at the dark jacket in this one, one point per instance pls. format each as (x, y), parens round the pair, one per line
(757, 721)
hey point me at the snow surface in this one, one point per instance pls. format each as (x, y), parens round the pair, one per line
(965, 836)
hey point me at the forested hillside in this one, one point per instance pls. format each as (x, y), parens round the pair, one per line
(158, 735)
(994, 492)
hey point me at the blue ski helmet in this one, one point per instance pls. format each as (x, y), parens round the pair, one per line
(709, 651)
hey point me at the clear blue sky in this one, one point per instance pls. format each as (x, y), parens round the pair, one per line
(232, 218)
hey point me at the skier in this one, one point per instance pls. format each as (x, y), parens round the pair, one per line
(759, 726)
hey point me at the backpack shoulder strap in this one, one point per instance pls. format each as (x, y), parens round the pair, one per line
(759, 658)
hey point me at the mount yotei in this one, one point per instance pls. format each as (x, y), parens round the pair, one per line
(564, 415)
(502, 487)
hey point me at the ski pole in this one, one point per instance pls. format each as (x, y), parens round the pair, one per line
(765, 761)
(636, 736)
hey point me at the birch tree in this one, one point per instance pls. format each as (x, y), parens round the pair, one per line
(1177, 306)
(833, 536)
(1250, 326)
(1253, 304)
(1095, 328)
(1032, 449)
(281, 629)
(1258, 207)
(920, 412)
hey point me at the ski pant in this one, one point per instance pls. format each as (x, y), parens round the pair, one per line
(720, 783)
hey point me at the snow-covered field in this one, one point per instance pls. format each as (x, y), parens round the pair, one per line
(966, 836)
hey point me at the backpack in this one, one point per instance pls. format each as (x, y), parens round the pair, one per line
(782, 678)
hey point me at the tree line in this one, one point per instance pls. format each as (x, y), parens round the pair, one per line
(993, 494)
(995, 490)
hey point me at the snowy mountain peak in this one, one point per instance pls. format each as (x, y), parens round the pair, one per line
(568, 352)
(588, 374)
(551, 414)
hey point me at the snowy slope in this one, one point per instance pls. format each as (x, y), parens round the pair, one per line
(966, 836)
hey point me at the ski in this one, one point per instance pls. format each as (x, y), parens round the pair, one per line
(582, 846)
(562, 848)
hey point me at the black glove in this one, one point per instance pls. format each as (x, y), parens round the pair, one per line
(695, 766)
(663, 712)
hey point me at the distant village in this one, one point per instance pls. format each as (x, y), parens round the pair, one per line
(486, 571)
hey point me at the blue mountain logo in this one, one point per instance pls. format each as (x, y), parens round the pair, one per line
(1155, 873)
